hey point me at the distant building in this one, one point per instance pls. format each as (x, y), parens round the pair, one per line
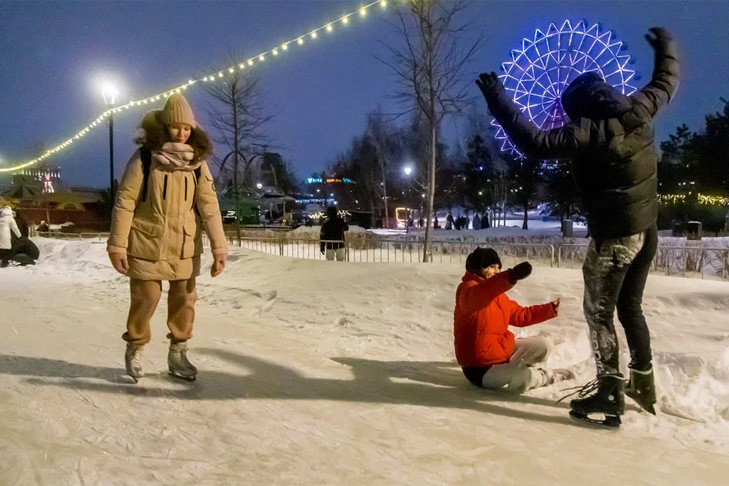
(40, 195)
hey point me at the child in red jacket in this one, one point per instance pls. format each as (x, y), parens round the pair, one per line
(485, 348)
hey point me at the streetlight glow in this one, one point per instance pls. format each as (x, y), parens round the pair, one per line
(408, 170)
(109, 92)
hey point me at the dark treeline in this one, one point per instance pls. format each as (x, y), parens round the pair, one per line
(476, 177)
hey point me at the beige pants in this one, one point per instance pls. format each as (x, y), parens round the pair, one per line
(180, 309)
(519, 374)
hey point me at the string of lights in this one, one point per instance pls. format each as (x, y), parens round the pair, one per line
(701, 199)
(212, 77)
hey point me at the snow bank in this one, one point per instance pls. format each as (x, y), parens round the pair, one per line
(318, 372)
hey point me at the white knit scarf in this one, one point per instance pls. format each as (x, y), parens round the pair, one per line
(176, 156)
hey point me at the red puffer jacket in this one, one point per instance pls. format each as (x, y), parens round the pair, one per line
(482, 318)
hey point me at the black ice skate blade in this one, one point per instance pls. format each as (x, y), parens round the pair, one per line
(182, 377)
(611, 422)
(643, 407)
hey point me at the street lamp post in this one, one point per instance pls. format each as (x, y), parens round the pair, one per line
(407, 170)
(109, 93)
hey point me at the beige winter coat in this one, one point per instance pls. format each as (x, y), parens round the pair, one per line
(162, 233)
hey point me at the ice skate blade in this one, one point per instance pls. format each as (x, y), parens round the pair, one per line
(647, 407)
(182, 377)
(135, 379)
(611, 421)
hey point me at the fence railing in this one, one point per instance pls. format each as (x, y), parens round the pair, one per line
(699, 261)
(392, 250)
(693, 261)
(704, 262)
(70, 236)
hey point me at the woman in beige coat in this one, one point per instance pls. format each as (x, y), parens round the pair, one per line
(165, 199)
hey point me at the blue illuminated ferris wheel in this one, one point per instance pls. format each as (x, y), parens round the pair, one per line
(542, 69)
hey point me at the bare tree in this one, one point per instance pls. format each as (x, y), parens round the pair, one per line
(431, 70)
(380, 134)
(239, 118)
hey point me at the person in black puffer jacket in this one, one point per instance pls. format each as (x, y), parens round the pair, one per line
(610, 141)
(332, 235)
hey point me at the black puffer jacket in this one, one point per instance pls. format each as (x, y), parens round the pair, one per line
(333, 232)
(610, 141)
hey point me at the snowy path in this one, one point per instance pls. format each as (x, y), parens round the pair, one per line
(331, 373)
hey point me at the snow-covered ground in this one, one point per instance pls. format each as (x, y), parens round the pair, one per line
(315, 372)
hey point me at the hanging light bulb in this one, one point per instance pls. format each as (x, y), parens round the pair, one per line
(208, 78)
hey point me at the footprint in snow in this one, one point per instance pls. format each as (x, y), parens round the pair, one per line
(268, 302)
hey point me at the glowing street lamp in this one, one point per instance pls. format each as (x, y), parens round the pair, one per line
(109, 92)
(408, 170)
(259, 185)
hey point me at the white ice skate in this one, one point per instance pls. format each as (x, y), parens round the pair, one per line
(133, 361)
(178, 363)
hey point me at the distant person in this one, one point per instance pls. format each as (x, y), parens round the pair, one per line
(22, 225)
(485, 348)
(421, 222)
(165, 200)
(8, 228)
(610, 140)
(485, 221)
(435, 223)
(449, 221)
(332, 236)
(476, 222)
(24, 251)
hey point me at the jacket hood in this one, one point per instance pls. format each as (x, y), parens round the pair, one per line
(589, 96)
(6, 212)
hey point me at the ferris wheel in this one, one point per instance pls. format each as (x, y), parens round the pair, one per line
(545, 65)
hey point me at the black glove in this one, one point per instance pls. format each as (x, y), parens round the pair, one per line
(657, 37)
(489, 83)
(520, 272)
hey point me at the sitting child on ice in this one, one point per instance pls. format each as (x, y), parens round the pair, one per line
(485, 348)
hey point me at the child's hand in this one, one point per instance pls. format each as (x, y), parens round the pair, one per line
(120, 262)
(218, 264)
(520, 272)
(555, 306)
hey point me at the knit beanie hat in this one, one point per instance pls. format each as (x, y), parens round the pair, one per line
(177, 110)
(481, 258)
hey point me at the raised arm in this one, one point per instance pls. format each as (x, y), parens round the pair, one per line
(478, 296)
(560, 143)
(666, 71)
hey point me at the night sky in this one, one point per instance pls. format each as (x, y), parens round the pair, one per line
(52, 53)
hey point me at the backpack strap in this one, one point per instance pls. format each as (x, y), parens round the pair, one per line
(146, 164)
(194, 190)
